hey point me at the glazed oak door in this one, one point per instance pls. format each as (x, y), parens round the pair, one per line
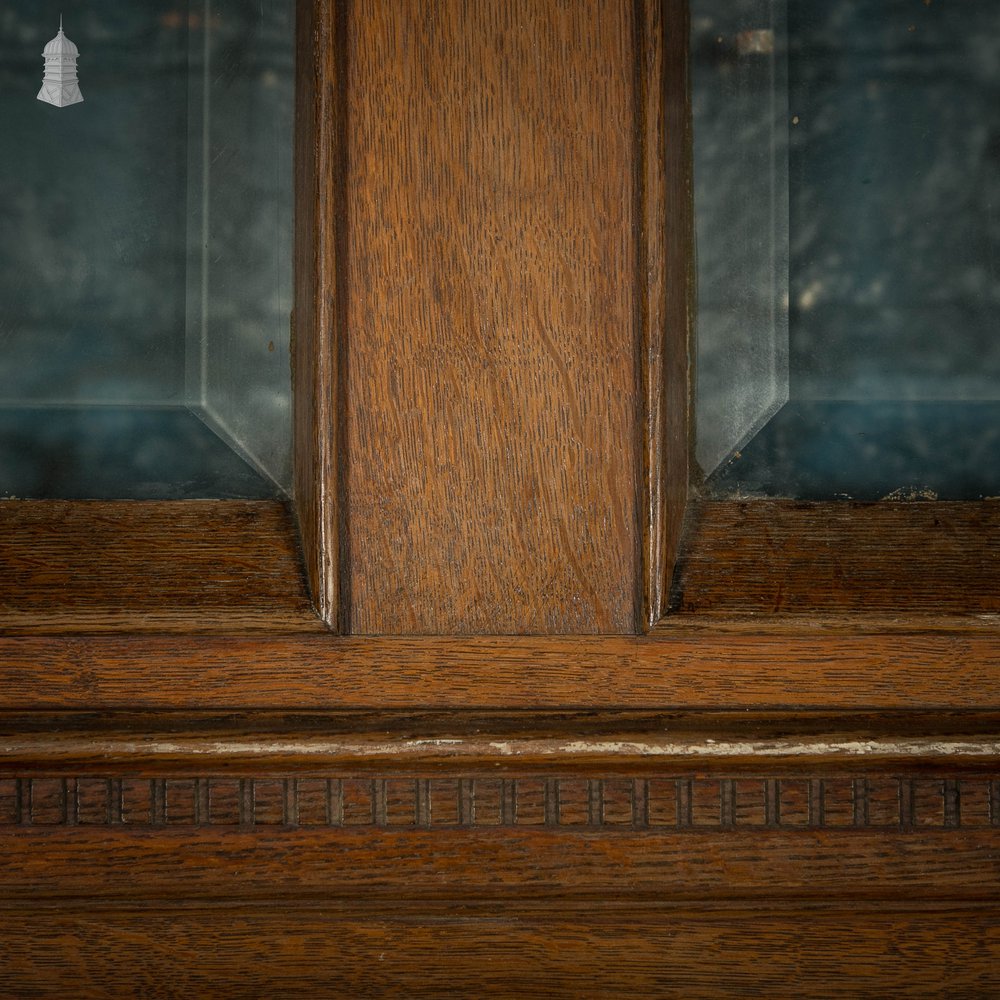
(497, 704)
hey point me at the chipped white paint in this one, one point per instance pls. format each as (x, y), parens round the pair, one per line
(851, 748)
(458, 748)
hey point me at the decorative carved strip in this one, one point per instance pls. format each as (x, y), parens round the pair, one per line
(553, 802)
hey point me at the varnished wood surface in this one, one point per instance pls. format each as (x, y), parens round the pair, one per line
(62, 746)
(328, 950)
(671, 801)
(492, 303)
(488, 261)
(602, 950)
(504, 863)
(697, 669)
(151, 567)
(148, 834)
(802, 570)
(317, 328)
(666, 257)
(773, 558)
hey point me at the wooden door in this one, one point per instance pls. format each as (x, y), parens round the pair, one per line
(490, 737)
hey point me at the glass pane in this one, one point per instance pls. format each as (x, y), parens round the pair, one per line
(847, 170)
(145, 282)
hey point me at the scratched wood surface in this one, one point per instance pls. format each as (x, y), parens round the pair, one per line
(492, 309)
(570, 751)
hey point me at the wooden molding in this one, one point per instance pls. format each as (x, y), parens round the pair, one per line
(317, 334)
(505, 806)
(656, 804)
(601, 771)
(666, 280)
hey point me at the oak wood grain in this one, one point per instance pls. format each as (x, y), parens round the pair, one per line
(914, 561)
(151, 566)
(233, 950)
(463, 745)
(492, 290)
(666, 258)
(606, 801)
(530, 861)
(696, 669)
(317, 327)
(492, 302)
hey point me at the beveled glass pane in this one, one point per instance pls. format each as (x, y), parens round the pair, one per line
(145, 259)
(889, 178)
(741, 203)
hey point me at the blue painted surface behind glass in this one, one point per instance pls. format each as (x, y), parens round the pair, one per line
(895, 199)
(92, 205)
(894, 257)
(102, 235)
